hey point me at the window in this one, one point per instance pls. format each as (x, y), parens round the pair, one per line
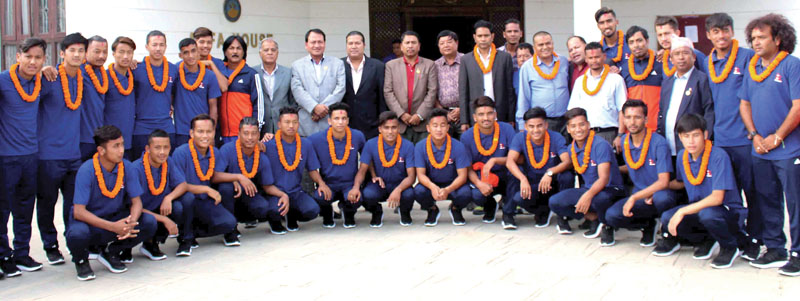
(31, 18)
(43, 24)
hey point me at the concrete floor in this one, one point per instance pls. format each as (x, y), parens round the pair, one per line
(475, 262)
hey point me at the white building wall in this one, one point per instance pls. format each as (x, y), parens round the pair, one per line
(553, 16)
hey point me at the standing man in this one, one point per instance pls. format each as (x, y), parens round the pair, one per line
(614, 43)
(20, 87)
(205, 41)
(524, 53)
(544, 83)
(317, 83)
(274, 87)
(577, 59)
(240, 100)
(666, 27)
(120, 108)
(59, 154)
(153, 90)
(447, 69)
(94, 101)
(687, 92)
(396, 51)
(486, 72)
(197, 93)
(512, 33)
(364, 86)
(410, 87)
(642, 75)
(602, 94)
(770, 109)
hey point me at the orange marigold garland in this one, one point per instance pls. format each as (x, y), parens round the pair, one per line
(332, 147)
(701, 174)
(282, 156)
(256, 156)
(545, 151)
(197, 81)
(382, 154)
(62, 72)
(17, 85)
(665, 65)
(102, 89)
(164, 76)
(620, 42)
(149, 175)
(772, 65)
(443, 163)
(197, 169)
(126, 91)
(552, 74)
(492, 53)
(586, 155)
(236, 72)
(599, 84)
(495, 140)
(642, 76)
(645, 147)
(101, 181)
(728, 65)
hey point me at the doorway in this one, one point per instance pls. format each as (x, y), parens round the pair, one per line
(428, 29)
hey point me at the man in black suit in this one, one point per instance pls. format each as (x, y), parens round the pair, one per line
(686, 92)
(364, 86)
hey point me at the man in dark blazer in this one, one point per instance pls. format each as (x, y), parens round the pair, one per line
(273, 83)
(365, 97)
(686, 92)
(471, 77)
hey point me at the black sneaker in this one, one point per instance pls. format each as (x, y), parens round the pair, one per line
(251, 224)
(791, 268)
(751, 250)
(349, 220)
(585, 225)
(195, 244)
(666, 246)
(126, 256)
(184, 249)
(94, 252)
(405, 218)
(774, 258)
(231, 240)
(327, 217)
(607, 236)
(27, 264)
(337, 215)
(649, 234)
(236, 231)
(377, 218)
(433, 217)
(112, 262)
(542, 220)
(277, 228)
(152, 251)
(491, 212)
(594, 229)
(705, 249)
(508, 222)
(470, 207)
(9, 268)
(457, 216)
(291, 224)
(85, 272)
(54, 256)
(725, 258)
(563, 225)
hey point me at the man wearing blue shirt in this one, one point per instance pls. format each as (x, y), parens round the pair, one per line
(205, 41)
(488, 156)
(59, 154)
(153, 89)
(715, 211)
(95, 87)
(20, 87)
(291, 155)
(197, 92)
(120, 108)
(614, 42)
(770, 109)
(337, 149)
(107, 210)
(593, 159)
(536, 156)
(544, 83)
(392, 158)
(442, 164)
(648, 163)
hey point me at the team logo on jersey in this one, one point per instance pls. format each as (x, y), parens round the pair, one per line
(449, 161)
(736, 71)
(401, 160)
(502, 146)
(170, 79)
(778, 78)
(552, 155)
(651, 162)
(201, 85)
(593, 163)
(626, 56)
(708, 173)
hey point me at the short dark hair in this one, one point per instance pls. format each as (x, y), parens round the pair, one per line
(386, 116)
(72, 39)
(690, 122)
(577, 37)
(106, 133)
(719, 20)
(592, 46)
(96, 38)
(511, 21)
(575, 112)
(527, 46)
(634, 103)
(201, 117)
(202, 32)
(602, 11)
(438, 112)
(229, 41)
(292, 110)
(408, 33)
(186, 42)
(317, 31)
(482, 101)
(339, 106)
(535, 112)
(779, 28)
(447, 33)
(29, 43)
(540, 33)
(396, 41)
(252, 121)
(155, 33)
(356, 33)
(157, 133)
(482, 23)
(667, 20)
(634, 29)
(122, 40)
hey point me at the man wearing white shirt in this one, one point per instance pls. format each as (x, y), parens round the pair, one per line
(363, 91)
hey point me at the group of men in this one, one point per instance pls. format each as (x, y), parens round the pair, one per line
(133, 148)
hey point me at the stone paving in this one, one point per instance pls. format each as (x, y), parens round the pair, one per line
(474, 262)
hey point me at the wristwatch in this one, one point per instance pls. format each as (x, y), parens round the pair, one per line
(420, 118)
(751, 135)
(549, 173)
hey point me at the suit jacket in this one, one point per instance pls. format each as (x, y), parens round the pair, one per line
(282, 97)
(696, 100)
(368, 103)
(470, 86)
(395, 90)
(308, 92)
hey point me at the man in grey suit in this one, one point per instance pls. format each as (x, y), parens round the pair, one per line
(364, 88)
(273, 84)
(414, 75)
(489, 75)
(317, 82)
